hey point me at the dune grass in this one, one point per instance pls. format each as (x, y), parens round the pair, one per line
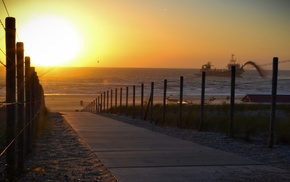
(251, 121)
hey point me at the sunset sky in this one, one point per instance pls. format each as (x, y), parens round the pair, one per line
(150, 33)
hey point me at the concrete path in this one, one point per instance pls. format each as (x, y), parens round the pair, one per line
(136, 154)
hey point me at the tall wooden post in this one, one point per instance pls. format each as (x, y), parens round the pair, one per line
(33, 99)
(116, 99)
(127, 96)
(28, 104)
(134, 91)
(232, 104)
(273, 106)
(181, 124)
(111, 105)
(96, 106)
(101, 103)
(202, 101)
(121, 96)
(105, 111)
(151, 101)
(142, 101)
(108, 101)
(10, 24)
(20, 99)
(164, 102)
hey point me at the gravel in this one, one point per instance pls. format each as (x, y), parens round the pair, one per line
(61, 155)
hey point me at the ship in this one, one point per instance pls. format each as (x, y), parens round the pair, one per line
(210, 71)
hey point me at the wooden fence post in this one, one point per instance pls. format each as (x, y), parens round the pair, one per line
(232, 105)
(10, 24)
(32, 91)
(127, 96)
(181, 123)
(142, 101)
(108, 101)
(164, 102)
(116, 99)
(111, 105)
(20, 103)
(134, 89)
(101, 104)
(105, 111)
(202, 101)
(273, 105)
(121, 100)
(151, 101)
(96, 105)
(28, 115)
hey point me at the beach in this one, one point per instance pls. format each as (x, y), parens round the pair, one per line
(60, 154)
(62, 103)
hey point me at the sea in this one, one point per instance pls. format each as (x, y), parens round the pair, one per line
(93, 81)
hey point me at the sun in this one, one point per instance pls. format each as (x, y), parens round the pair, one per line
(50, 41)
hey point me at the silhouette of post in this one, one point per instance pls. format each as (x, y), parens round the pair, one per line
(28, 104)
(36, 100)
(180, 103)
(97, 105)
(20, 101)
(232, 104)
(121, 96)
(151, 101)
(10, 24)
(164, 101)
(111, 105)
(101, 104)
(142, 101)
(116, 100)
(32, 91)
(134, 91)
(127, 96)
(150, 104)
(273, 106)
(105, 102)
(202, 101)
(108, 101)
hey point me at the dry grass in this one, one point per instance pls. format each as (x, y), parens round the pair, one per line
(250, 120)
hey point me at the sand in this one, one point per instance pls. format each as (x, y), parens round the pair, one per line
(61, 155)
(67, 103)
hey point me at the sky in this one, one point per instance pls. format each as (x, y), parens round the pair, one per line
(151, 33)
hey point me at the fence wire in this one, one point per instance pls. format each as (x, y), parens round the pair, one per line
(20, 132)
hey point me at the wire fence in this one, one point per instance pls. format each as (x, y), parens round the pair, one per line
(23, 109)
(187, 109)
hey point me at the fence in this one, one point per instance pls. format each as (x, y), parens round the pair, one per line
(115, 101)
(24, 103)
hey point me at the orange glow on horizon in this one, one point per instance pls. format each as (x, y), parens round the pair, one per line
(151, 34)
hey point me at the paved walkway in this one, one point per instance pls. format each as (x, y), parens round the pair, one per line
(137, 154)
